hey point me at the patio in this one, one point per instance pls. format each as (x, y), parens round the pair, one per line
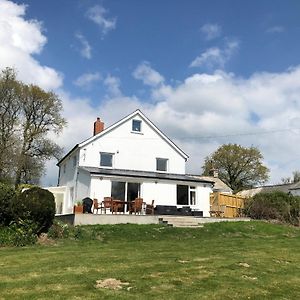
(111, 219)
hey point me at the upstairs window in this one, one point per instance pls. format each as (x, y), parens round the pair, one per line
(106, 159)
(161, 164)
(136, 125)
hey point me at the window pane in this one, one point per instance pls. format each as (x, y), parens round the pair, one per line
(161, 164)
(182, 194)
(118, 190)
(133, 191)
(106, 160)
(136, 125)
(192, 197)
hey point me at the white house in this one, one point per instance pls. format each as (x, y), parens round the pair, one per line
(132, 158)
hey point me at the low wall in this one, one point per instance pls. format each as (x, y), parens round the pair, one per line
(91, 219)
(67, 218)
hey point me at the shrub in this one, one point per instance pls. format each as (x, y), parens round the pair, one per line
(7, 194)
(36, 205)
(59, 230)
(276, 205)
(18, 234)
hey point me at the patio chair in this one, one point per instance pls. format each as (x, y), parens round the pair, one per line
(136, 206)
(107, 204)
(150, 208)
(96, 206)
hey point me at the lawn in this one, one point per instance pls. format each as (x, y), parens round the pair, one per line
(243, 260)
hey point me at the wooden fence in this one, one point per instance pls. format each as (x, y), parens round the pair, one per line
(226, 205)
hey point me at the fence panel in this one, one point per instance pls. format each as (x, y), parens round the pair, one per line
(226, 205)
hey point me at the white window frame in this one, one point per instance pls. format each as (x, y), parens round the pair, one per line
(112, 159)
(132, 127)
(189, 200)
(167, 164)
(192, 189)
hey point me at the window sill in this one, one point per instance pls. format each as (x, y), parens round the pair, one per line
(137, 132)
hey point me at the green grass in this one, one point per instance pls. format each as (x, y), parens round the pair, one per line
(159, 263)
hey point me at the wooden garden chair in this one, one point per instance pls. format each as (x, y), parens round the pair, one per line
(96, 206)
(107, 204)
(150, 208)
(136, 206)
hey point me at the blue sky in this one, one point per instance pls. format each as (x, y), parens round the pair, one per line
(168, 35)
(205, 72)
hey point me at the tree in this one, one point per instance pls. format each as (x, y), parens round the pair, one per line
(294, 179)
(296, 176)
(41, 112)
(9, 113)
(237, 166)
(28, 115)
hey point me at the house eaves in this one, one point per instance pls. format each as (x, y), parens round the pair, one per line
(68, 154)
(145, 175)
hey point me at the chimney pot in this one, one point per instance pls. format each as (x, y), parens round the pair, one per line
(214, 172)
(98, 126)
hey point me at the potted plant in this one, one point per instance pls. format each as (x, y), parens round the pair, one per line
(78, 207)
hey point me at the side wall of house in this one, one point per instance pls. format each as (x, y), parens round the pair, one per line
(82, 184)
(133, 150)
(67, 177)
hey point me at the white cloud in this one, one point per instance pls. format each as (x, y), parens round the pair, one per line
(87, 79)
(20, 39)
(275, 29)
(148, 75)
(211, 31)
(97, 14)
(216, 57)
(113, 85)
(205, 111)
(86, 49)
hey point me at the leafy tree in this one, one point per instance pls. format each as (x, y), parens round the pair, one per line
(28, 115)
(296, 176)
(41, 114)
(294, 179)
(9, 113)
(7, 195)
(237, 166)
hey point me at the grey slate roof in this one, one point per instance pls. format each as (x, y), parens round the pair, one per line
(144, 174)
(295, 186)
(266, 189)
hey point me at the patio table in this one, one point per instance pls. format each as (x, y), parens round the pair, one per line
(119, 204)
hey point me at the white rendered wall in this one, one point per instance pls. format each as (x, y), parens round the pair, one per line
(162, 192)
(67, 178)
(132, 151)
(100, 188)
(82, 185)
(203, 202)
